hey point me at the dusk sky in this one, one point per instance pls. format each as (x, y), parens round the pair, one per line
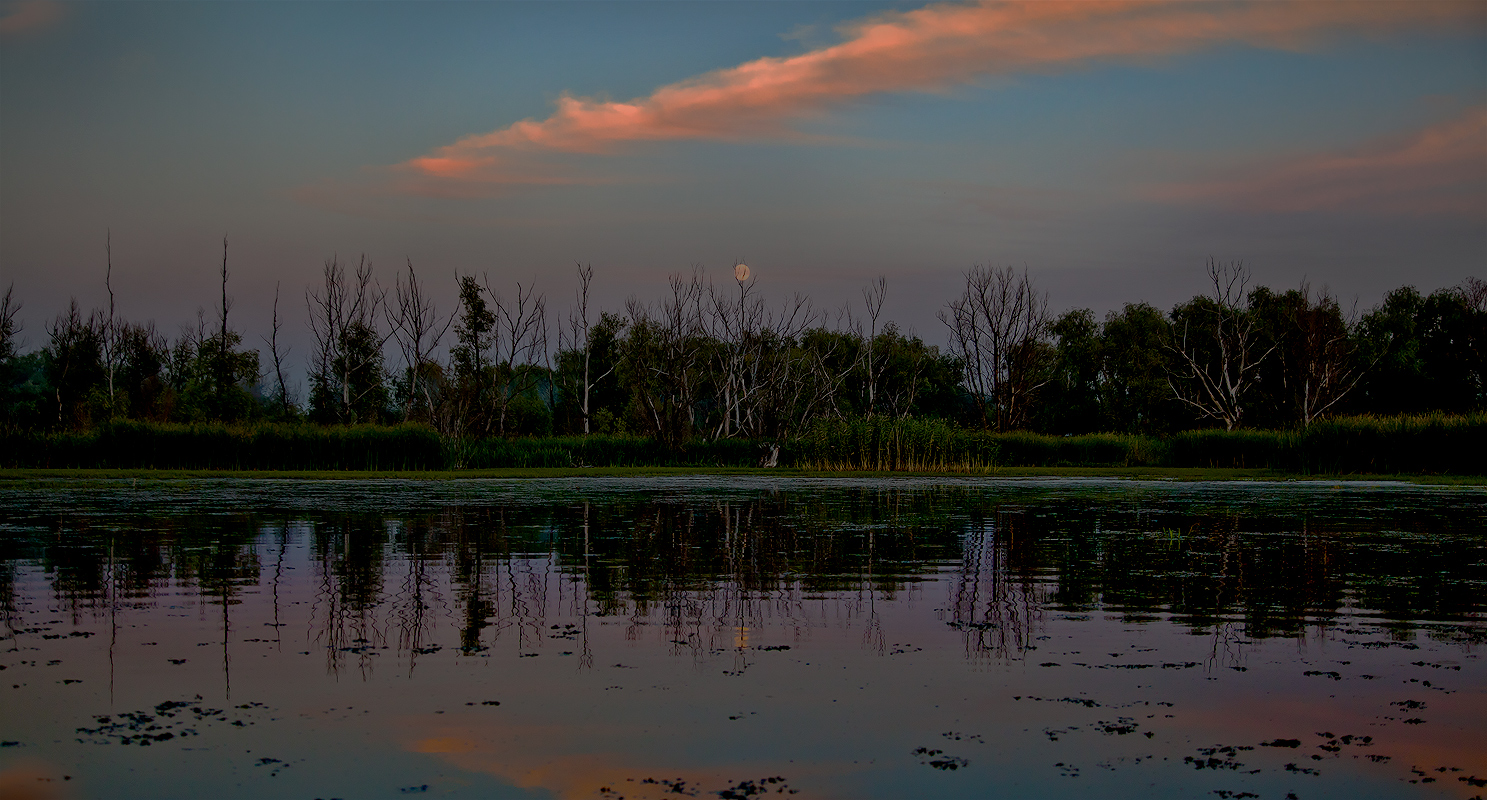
(1108, 148)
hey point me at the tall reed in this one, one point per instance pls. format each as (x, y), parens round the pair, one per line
(1427, 444)
(266, 446)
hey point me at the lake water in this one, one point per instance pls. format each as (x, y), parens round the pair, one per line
(737, 637)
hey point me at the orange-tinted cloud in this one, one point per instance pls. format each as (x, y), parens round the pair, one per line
(927, 49)
(1440, 170)
(30, 15)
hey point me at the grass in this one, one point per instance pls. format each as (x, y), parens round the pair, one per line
(23, 476)
(146, 445)
(1388, 446)
(1424, 444)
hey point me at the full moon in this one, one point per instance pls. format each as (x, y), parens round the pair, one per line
(741, 271)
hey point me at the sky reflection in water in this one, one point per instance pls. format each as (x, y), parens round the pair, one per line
(733, 637)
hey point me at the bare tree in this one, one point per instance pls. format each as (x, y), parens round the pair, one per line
(521, 339)
(663, 355)
(1326, 360)
(872, 299)
(738, 328)
(759, 370)
(108, 329)
(222, 339)
(346, 368)
(9, 325)
(1213, 376)
(998, 329)
(278, 357)
(416, 326)
(1474, 291)
(580, 338)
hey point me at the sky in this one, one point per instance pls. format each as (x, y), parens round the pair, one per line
(1108, 148)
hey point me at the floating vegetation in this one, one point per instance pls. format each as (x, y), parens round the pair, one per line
(171, 719)
(939, 760)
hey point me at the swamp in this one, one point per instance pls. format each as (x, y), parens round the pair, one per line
(740, 636)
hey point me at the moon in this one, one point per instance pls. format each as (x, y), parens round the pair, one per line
(741, 271)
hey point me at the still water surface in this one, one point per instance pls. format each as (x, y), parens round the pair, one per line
(737, 637)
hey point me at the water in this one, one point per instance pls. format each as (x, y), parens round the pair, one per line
(735, 637)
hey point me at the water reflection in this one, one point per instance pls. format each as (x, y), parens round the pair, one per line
(851, 638)
(708, 572)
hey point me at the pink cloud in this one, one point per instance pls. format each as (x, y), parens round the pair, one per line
(927, 49)
(31, 15)
(1440, 170)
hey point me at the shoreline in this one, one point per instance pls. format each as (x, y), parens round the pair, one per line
(1177, 474)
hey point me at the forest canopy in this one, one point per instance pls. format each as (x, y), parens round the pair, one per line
(713, 360)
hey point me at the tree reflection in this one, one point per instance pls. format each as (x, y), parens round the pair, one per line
(996, 600)
(349, 553)
(704, 575)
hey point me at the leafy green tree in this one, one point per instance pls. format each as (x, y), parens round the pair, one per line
(144, 355)
(474, 335)
(1135, 395)
(916, 378)
(1071, 401)
(74, 366)
(23, 387)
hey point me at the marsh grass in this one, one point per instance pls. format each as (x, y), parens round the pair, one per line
(885, 444)
(600, 451)
(1405, 445)
(1423, 444)
(217, 446)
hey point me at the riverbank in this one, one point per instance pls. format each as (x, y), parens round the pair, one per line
(11, 476)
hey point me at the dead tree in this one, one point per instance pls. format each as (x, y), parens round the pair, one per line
(521, 339)
(1326, 366)
(416, 326)
(664, 356)
(346, 368)
(108, 329)
(9, 326)
(1213, 376)
(277, 355)
(737, 327)
(872, 300)
(759, 371)
(1474, 292)
(580, 338)
(226, 305)
(998, 330)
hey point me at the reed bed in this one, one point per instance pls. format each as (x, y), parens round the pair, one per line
(601, 451)
(1429, 444)
(1424, 444)
(886, 444)
(266, 446)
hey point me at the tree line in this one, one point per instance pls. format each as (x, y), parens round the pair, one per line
(712, 360)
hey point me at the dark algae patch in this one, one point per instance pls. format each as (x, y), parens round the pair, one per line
(171, 719)
(693, 636)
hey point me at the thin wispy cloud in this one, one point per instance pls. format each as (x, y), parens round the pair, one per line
(29, 16)
(1439, 170)
(929, 49)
